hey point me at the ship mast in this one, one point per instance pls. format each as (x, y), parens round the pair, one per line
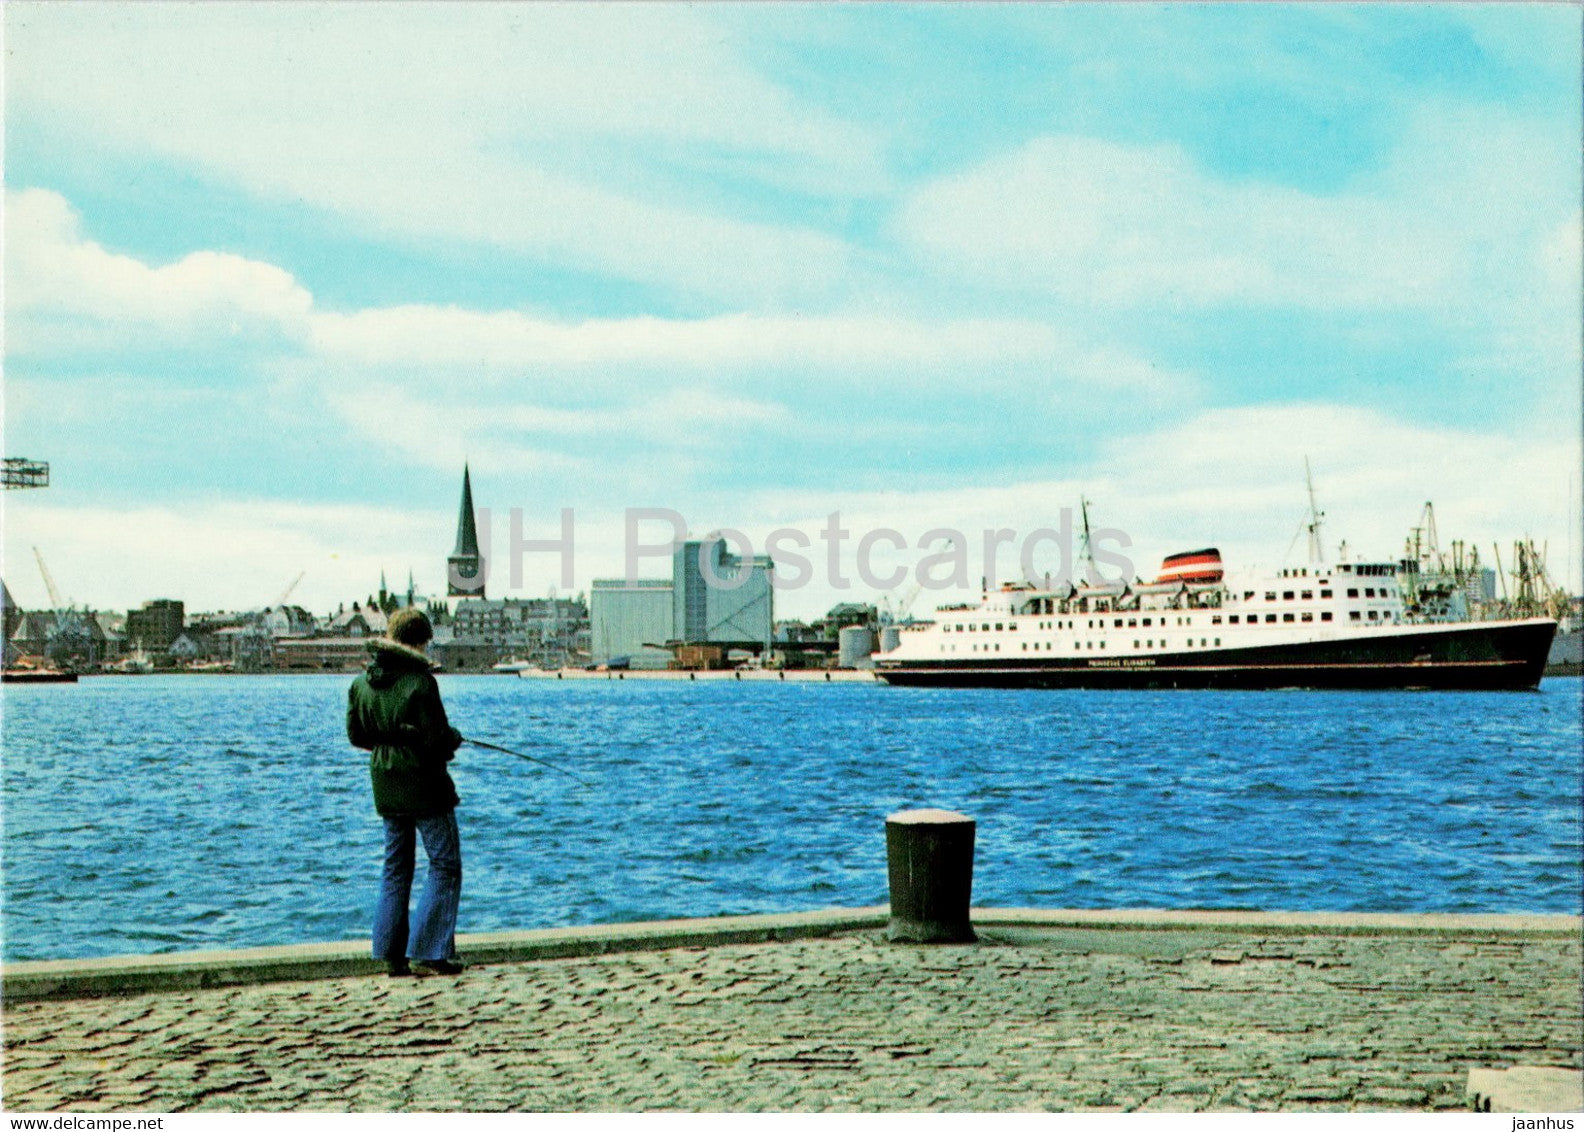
(1086, 552)
(1316, 552)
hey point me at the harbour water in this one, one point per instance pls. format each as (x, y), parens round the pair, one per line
(146, 814)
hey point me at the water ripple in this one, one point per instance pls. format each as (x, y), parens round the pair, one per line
(146, 814)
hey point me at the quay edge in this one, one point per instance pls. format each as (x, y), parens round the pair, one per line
(176, 971)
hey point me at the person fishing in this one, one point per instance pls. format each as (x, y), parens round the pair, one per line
(394, 712)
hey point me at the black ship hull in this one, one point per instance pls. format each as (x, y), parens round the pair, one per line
(1508, 656)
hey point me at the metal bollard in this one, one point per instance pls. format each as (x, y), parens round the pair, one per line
(929, 857)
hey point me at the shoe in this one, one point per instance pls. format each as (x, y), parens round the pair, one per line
(440, 966)
(398, 969)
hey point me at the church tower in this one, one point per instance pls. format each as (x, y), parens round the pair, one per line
(465, 567)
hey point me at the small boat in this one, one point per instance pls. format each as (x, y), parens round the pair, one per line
(37, 676)
(136, 664)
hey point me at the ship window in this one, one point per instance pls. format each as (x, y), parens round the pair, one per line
(998, 626)
(1012, 625)
(1354, 615)
(1102, 644)
(1353, 592)
(1215, 620)
(1091, 644)
(1325, 615)
(998, 648)
(1270, 617)
(1248, 595)
(1077, 644)
(1146, 622)
(1308, 595)
(1232, 620)
(1287, 616)
(1270, 595)
(1135, 644)
(1132, 622)
(1190, 642)
(1369, 593)
(1325, 593)
(1287, 595)
(1218, 642)
(1373, 616)
(1118, 623)
(1308, 616)
(973, 628)
(1025, 646)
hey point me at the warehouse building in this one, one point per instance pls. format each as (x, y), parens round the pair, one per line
(721, 598)
(713, 597)
(624, 617)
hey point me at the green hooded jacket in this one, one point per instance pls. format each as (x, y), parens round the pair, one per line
(394, 712)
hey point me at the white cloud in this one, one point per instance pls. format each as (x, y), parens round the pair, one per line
(1106, 223)
(240, 554)
(1231, 478)
(455, 122)
(66, 293)
(514, 438)
(504, 346)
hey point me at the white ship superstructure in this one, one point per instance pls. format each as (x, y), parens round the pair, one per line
(1317, 625)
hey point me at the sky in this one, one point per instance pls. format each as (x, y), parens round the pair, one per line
(274, 272)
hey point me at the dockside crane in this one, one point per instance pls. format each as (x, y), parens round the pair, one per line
(21, 472)
(288, 591)
(57, 606)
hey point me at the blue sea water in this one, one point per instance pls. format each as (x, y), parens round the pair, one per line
(147, 814)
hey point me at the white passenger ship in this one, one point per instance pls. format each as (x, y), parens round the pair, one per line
(1195, 626)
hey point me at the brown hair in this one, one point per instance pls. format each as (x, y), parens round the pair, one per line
(410, 627)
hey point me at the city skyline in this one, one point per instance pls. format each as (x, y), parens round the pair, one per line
(274, 273)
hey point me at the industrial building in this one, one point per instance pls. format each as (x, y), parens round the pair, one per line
(713, 597)
(721, 598)
(623, 617)
(156, 626)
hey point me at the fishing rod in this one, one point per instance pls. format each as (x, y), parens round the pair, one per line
(530, 758)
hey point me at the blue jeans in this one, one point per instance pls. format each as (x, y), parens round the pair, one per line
(435, 937)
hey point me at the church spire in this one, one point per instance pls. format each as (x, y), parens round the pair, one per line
(467, 533)
(465, 567)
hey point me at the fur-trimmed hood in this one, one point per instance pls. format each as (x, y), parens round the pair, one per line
(392, 658)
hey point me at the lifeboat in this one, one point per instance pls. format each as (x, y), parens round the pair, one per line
(1173, 588)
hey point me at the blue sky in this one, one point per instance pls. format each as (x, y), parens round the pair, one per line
(274, 271)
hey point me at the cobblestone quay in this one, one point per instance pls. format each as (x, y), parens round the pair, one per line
(1050, 1011)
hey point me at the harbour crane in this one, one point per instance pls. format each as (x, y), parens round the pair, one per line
(56, 604)
(287, 592)
(22, 472)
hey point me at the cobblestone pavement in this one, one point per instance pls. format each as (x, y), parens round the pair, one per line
(1029, 1019)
